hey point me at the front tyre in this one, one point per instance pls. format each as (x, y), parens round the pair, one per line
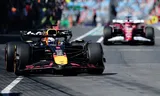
(23, 54)
(9, 56)
(95, 56)
(107, 34)
(150, 35)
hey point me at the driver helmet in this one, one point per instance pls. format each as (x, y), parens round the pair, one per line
(51, 40)
(54, 41)
(39, 33)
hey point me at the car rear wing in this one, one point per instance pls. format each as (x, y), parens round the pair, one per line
(51, 33)
(123, 21)
(117, 21)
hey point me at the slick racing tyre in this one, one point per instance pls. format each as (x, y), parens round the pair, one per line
(107, 34)
(95, 56)
(9, 56)
(150, 35)
(23, 52)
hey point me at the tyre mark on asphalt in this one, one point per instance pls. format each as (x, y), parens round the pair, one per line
(125, 62)
(121, 82)
(129, 85)
(58, 87)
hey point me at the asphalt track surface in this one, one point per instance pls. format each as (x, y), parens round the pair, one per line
(130, 71)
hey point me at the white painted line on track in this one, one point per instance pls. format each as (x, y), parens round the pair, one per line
(157, 27)
(86, 34)
(100, 40)
(11, 85)
(18, 79)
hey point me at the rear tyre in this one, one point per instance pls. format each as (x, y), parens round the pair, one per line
(23, 52)
(107, 34)
(9, 56)
(150, 35)
(95, 56)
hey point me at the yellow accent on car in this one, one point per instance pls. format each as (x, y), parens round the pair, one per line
(61, 60)
(53, 30)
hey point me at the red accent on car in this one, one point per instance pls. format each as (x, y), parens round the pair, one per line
(51, 64)
(128, 30)
(29, 67)
(91, 66)
(58, 47)
(74, 64)
(37, 66)
(48, 50)
(47, 66)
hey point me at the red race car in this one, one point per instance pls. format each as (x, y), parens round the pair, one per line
(129, 31)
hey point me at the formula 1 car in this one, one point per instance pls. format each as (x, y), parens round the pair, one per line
(53, 51)
(129, 31)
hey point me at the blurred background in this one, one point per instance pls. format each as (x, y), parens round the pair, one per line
(32, 14)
